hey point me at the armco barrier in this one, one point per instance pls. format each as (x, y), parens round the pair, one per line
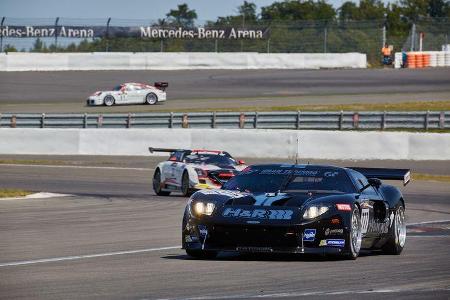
(241, 142)
(177, 61)
(421, 120)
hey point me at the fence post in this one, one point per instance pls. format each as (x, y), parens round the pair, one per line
(185, 121)
(85, 120)
(43, 120)
(1, 34)
(107, 34)
(255, 121)
(341, 120)
(161, 46)
(268, 45)
(242, 120)
(56, 33)
(129, 120)
(383, 121)
(100, 121)
(216, 46)
(413, 36)
(441, 120)
(171, 120)
(297, 126)
(13, 121)
(213, 124)
(427, 117)
(325, 38)
(356, 120)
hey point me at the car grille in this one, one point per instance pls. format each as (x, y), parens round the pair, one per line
(226, 236)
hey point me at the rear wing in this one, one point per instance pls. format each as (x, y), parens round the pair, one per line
(386, 174)
(151, 149)
(161, 85)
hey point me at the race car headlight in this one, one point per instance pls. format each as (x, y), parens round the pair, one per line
(314, 211)
(201, 208)
(201, 172)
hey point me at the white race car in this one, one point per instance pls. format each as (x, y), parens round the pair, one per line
(130, 93)
(190, 170)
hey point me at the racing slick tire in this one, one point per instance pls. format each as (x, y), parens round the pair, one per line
(354, 235)
(397, 234)
(109, 100)
(185, 189)
(151, 99)
(157, 184)
(201, 254)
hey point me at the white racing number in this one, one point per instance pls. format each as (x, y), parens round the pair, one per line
(364, 220)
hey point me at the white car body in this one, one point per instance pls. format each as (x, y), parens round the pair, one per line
(200, 175)
(128, 93)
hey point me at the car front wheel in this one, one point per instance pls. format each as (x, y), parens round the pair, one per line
(108, 100)
(354, 236)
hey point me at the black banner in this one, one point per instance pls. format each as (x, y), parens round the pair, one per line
(145, 32)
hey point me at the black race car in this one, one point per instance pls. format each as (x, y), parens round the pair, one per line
(283, 208)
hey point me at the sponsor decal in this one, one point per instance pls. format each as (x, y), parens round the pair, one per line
(335, 231)
(270, 214)
(334, 243)
(202, 230)
(330, 174)
(254, 249)
(391, 219)
(378, 227)
(148, 32)
(344, 207)
(309, 235)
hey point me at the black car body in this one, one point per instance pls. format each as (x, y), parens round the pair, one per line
(282, 208)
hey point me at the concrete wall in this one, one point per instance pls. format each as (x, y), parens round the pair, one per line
(177, 61)
(239, 142)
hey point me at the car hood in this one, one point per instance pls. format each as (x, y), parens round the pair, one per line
(237, 198)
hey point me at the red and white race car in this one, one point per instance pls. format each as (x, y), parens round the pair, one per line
(130, 93)
(190, 170)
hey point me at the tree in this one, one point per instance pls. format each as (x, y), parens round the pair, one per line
(182, 16)
(290, 10)
(248, 11)
(9, 48)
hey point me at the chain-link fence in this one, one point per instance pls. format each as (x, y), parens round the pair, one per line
(104, 35)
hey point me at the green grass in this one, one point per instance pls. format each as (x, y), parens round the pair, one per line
(431, 177)
(12, 193)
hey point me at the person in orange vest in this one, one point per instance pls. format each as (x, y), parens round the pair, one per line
(386, 51)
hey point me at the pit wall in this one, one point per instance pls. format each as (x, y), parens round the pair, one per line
(177, 61)
(258, 143)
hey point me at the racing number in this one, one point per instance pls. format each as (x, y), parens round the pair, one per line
(364, 220)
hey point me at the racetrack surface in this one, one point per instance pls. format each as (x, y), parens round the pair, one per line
(115, 239)
(199, 89)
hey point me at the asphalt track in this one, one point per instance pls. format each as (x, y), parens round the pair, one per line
(199, 89)
(114, 239)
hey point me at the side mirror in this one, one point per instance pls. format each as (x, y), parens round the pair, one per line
(375, 182)
(241, 162)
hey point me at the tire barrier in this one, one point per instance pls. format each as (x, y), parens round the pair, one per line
(424, 59)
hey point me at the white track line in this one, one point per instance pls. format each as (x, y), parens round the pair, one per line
(308, 294)
(77, 167)
(428, 222)
(76, 257)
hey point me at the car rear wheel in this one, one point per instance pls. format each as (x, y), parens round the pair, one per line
(397, 238)
(185, 188)
(109, 100)
(354, 235)
(202, 254)
(157, 184)
(151, 99)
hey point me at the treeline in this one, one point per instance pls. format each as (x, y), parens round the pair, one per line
(295, 26)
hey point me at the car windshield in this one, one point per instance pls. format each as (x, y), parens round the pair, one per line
(210, 159)
(117, 88)
(297, 179)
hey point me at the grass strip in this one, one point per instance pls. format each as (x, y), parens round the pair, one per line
(12, 193)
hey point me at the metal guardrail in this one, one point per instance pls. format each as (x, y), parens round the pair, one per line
(421, 120)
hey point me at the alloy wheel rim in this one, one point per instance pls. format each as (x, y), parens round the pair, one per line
(151, 99)
(355, 231)
(400, 227)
